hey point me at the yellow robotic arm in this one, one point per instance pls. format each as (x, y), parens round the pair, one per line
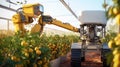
(64, 25)
(26, 14)
(49, 20)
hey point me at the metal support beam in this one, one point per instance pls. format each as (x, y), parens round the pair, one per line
(11, 2)
(5, 18)
(4, 7)
(64, 3)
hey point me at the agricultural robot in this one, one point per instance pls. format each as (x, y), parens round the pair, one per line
(92, 23)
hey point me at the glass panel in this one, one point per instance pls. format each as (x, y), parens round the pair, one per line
(41, 8)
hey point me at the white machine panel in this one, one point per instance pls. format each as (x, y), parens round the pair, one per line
(93, 17)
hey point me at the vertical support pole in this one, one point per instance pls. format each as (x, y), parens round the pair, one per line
(8, 25)
(8, 21)
(104, 31)
(101, 32)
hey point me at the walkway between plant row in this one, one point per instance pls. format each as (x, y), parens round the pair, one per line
(92, 59)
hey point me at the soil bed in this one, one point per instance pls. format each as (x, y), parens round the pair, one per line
(92, 59)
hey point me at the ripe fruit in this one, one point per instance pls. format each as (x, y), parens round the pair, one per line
(117, 40)
(116, 64)
(19, 65)
(116, 51)
(39, 62)
(118, 35)
(9, 54)
(115, 10)
(24, 43)
(110, 11)
(45, 65)
(116, 58)
(38, 52)
(36, 48)
(26, 54)
(13, 58)
(45, 60)
(34, 65)
(111, 44)
(117, 19)
(30, 50)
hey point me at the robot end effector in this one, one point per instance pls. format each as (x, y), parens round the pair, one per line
(25, 15)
